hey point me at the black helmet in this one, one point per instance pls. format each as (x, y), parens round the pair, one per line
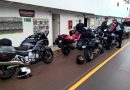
(24, 72)
(80, 59)
(5, 42)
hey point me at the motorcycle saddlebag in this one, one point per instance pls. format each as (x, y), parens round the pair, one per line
(7, 53)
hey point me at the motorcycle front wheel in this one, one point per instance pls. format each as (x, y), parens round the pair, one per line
(6, 73)
(48, 56)
(65, 50)
(101, 49)
(88, 54)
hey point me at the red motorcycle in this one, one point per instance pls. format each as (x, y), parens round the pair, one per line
(68, 42)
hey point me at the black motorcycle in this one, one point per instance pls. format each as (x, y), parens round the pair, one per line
(92, 45)
(109, 39)
(35, 48)
(32, 50)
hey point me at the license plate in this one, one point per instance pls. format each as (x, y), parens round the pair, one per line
(105, 37)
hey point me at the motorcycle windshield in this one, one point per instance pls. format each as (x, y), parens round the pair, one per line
(46, 33)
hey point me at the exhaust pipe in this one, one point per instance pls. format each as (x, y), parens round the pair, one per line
(12, 63)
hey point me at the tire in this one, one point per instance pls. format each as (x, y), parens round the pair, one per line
(48, 58)
(108, 46)
(105, 44)
(80, 49)
(65, 50)
(102, 49)
(88, 54)
(8, 72)
(127, 35)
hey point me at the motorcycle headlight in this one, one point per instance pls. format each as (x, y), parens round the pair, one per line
(105, 37)
(83, 46)
(60, 41)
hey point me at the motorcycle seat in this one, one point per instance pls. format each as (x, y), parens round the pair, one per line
(22, 53)
(21, 48)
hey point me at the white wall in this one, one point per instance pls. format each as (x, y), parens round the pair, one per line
(65, 17)
(16, 38)
(74, 5)
(44, 14)
(109, 8)
(98, 7)
(12, 10)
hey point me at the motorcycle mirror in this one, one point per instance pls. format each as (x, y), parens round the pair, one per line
(105, 30)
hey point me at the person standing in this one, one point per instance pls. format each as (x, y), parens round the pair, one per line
(80, 27)
(104, 24)
(118, 30)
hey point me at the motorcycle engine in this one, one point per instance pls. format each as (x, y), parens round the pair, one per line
(32, 57)
(74, 45)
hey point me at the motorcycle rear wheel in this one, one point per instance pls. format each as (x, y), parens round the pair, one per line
(65, 50)
(6, 73)
(48, 58)
(101, 49)
(88, 54)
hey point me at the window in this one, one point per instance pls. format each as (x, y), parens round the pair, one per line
(117, 4)
(127, 1)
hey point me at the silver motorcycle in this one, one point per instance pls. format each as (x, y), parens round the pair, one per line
(9, 62)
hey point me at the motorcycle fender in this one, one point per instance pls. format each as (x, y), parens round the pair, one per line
(48, 48)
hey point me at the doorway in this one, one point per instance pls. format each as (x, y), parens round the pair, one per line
(85, 22)
(55, 26)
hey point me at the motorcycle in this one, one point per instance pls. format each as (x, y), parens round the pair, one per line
(68, 42)
(35, 48)
(9, 61)
(109, 39)
(31, 40)
(92, 45)
(31, 50)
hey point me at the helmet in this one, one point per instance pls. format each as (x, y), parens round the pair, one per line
(115, 20)
(80, 59)
(106, 18)
(24, 72)
(5, 42)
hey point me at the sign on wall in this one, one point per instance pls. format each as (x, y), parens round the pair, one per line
(10, 25)
(26, 13)
(70, 24)
(27, 19)
(40, 25)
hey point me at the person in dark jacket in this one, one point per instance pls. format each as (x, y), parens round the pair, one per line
(104, 24)
(118, 29)
(80, 27)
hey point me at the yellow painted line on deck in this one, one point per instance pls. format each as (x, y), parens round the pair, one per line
(87, 76)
